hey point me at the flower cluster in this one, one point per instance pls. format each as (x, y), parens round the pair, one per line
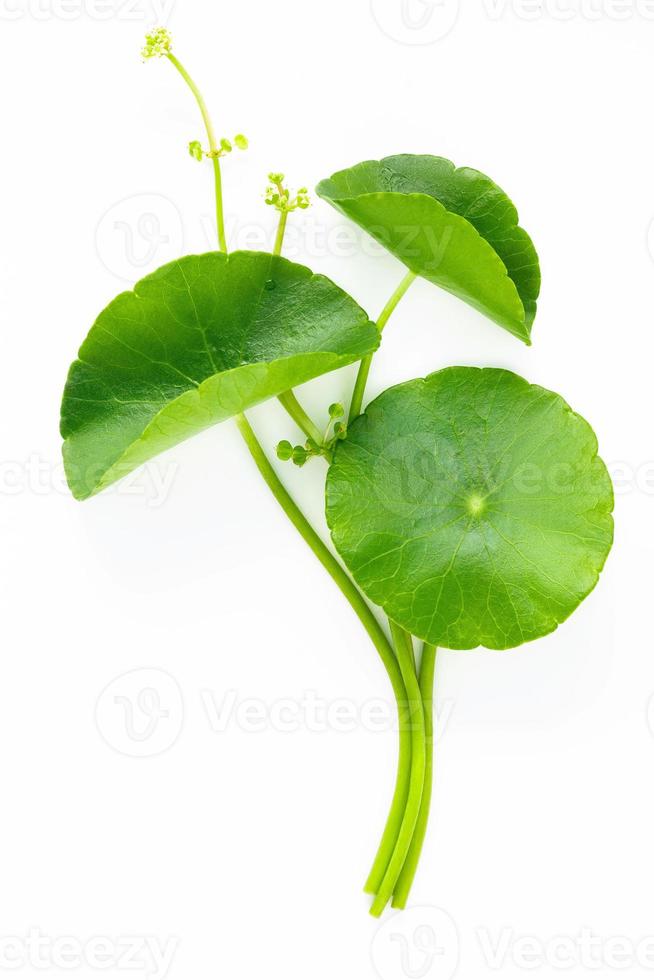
(226, 146)
(279, 197)
(157, 43)
(301, 454)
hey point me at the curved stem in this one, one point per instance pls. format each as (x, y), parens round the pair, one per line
(426, 679)
(213, 147)
(300, 417)
(364, 366)
(406, 660)
(398, 804)
(288, 505)
(326, 558)
(280, 492)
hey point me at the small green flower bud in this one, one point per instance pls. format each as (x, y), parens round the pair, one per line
(336, 411)
(241, 141)
(157, 43)
(275, 178)
(225, 145)
(340, 430)
(300, 456)
(284, 450)
(195, 149)
(302, 198)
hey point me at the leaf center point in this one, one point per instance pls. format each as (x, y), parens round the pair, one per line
(475, 504)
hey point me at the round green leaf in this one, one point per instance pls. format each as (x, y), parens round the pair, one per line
(199, 340)
(472, 506)
(454, 227)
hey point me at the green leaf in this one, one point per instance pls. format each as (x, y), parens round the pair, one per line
(456, 228)
(199, 340)
(472, 506)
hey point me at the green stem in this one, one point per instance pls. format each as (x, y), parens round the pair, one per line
(281, 228)
(426, 679)
(326, 558)
(364, 366)
(398, 804)
(300, 417)
(288, 505)
(213, 147)
(288, 399)
(406, 660)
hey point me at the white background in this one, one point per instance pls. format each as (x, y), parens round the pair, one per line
(243, 853)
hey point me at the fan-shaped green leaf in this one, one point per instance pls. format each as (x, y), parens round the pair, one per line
(472, 506)
(199, 340)
(456, 228)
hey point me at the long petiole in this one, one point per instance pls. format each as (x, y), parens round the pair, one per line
(213, 147)
(404, 767)
(288, 505)
(426, 680)
(300, 417)
(398, 804)
(364, 366)
(406, 660)
(326, 558)
(288, 399)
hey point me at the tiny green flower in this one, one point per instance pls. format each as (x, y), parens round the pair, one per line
(284, 450)
(195, 149)
(241, 141)
(157, 43)
(225, 145)
(302, 200)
